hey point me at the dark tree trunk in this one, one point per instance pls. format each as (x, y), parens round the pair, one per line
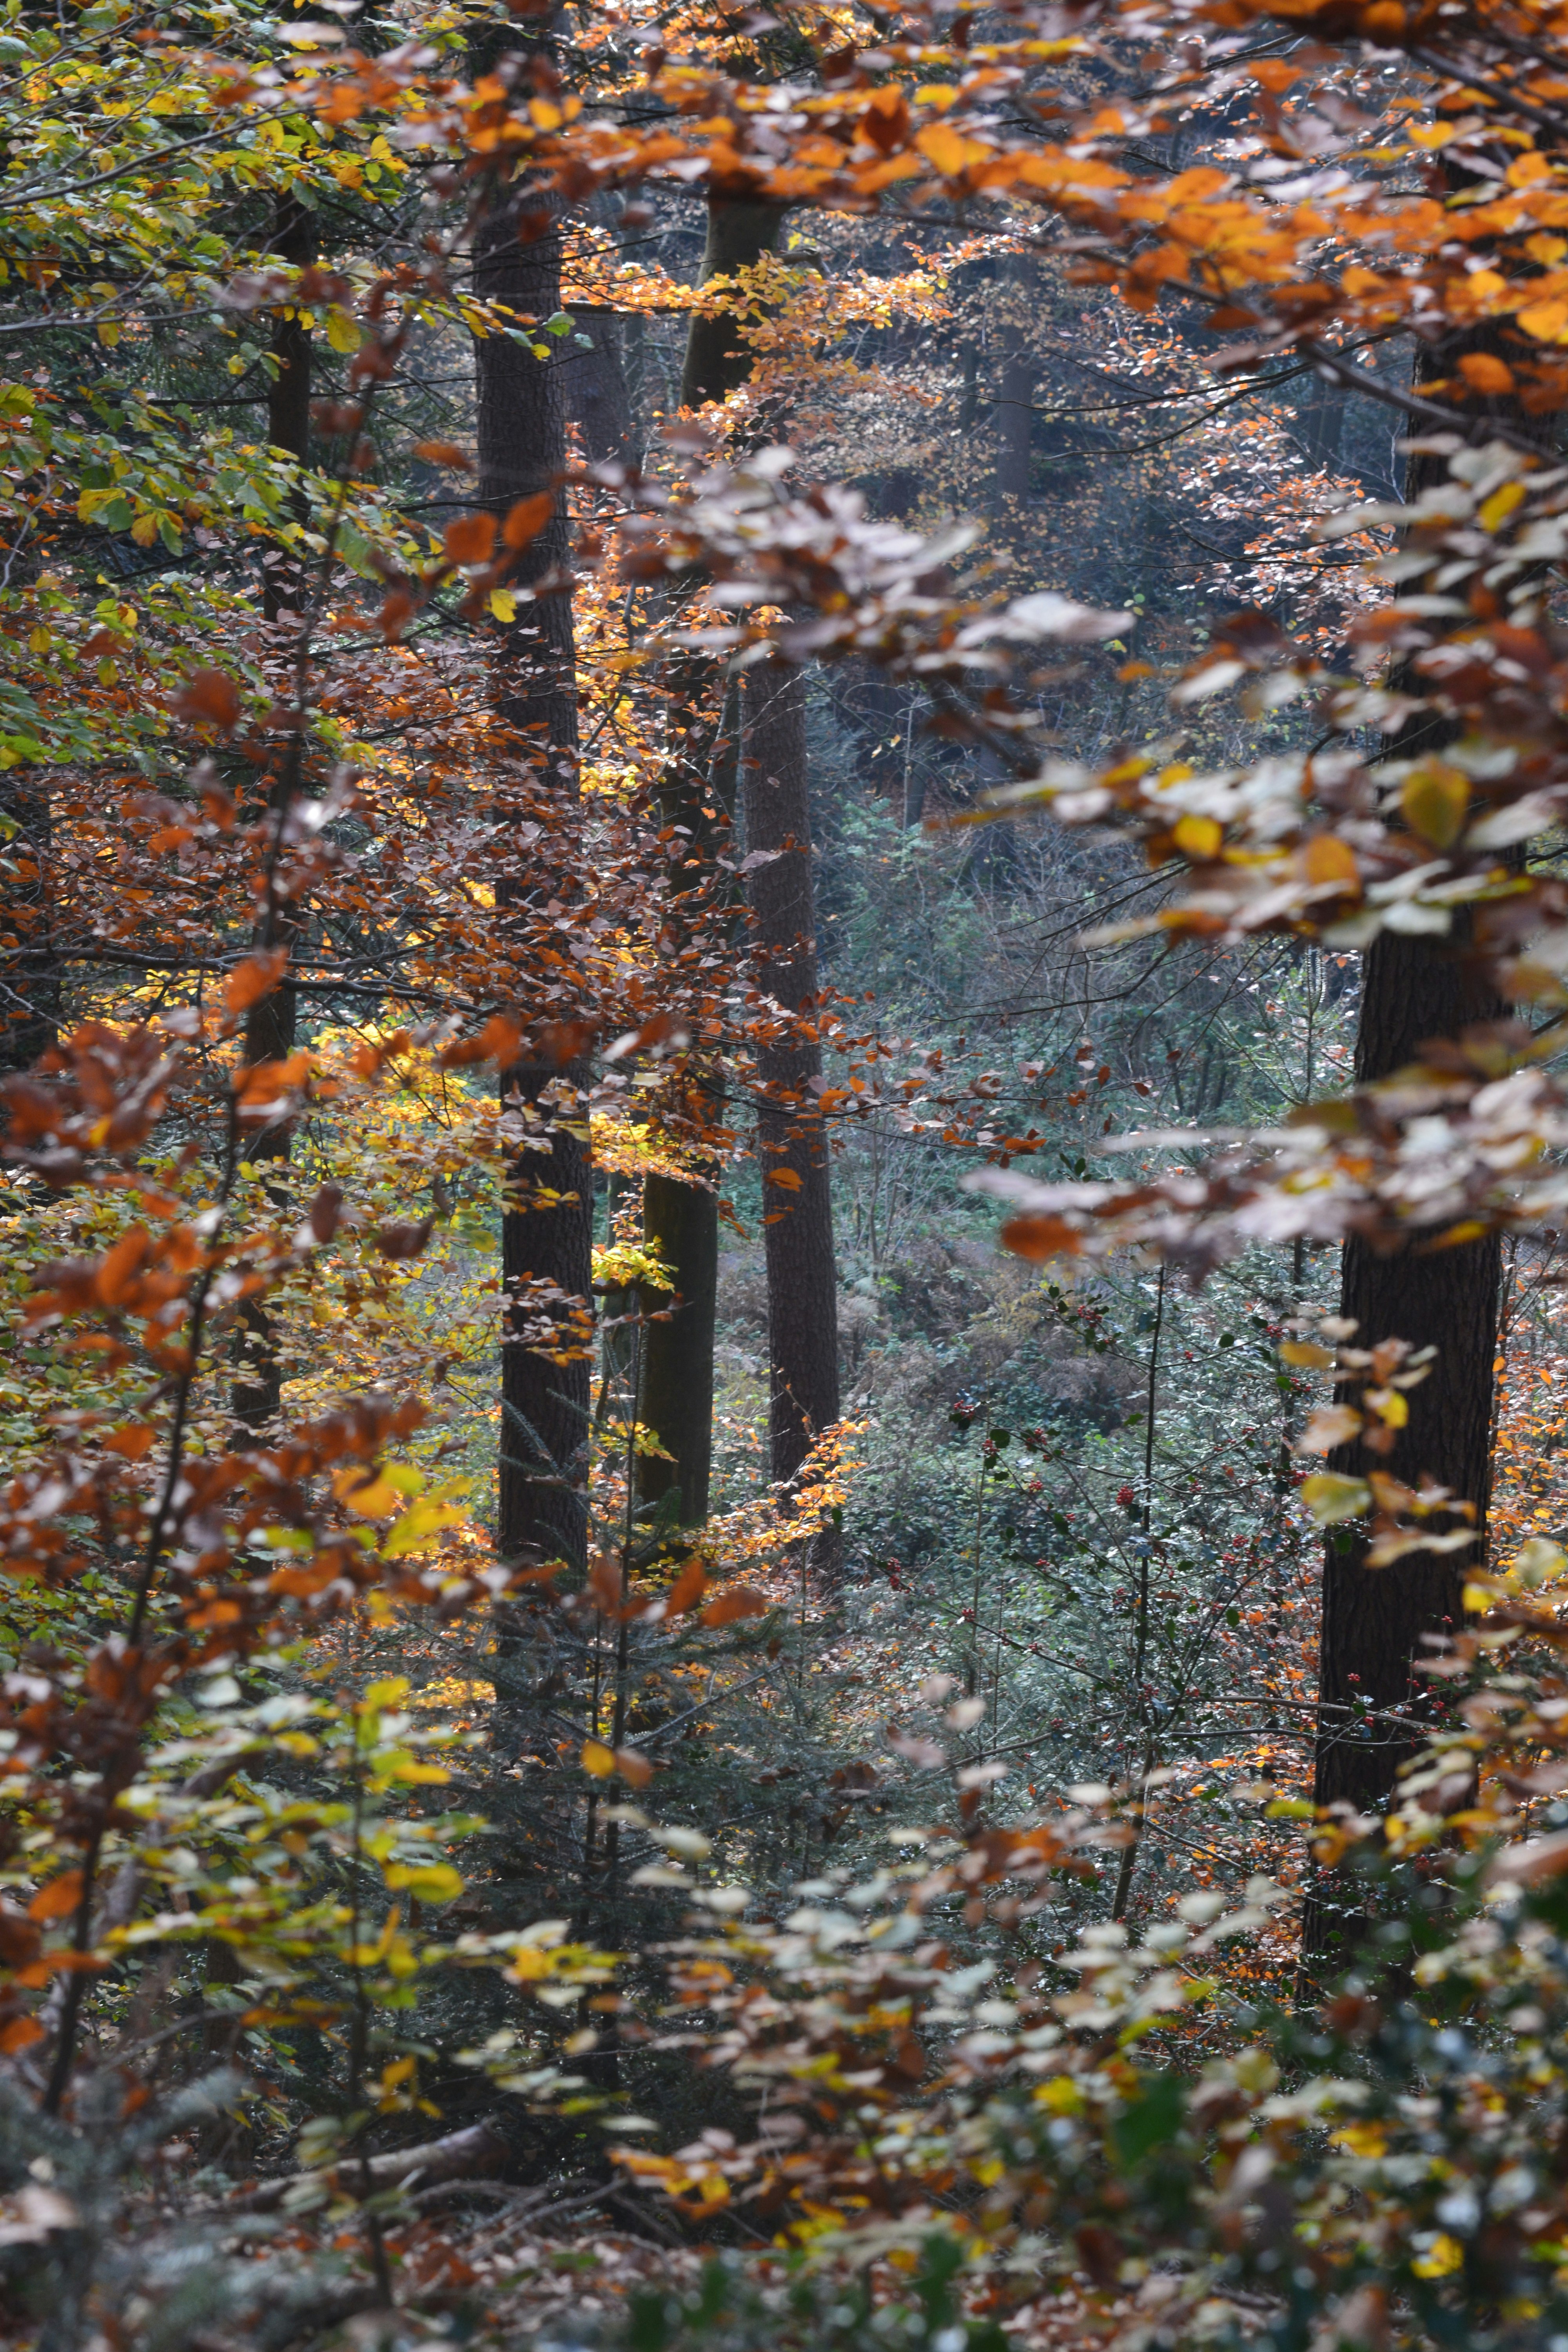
(1013, 416)
(677, 1352)
(521, 451)
(1378, 1623)
(272, 1025)
(792, 1138)
(717, 360)
(597, 400)
(681, 1221)
(1375, 1621)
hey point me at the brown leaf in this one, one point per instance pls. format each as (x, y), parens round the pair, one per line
(1039, 1237)
(325, 1211)
(633, 1767)
(119, 1267)
(404, 1238)
(210, 697)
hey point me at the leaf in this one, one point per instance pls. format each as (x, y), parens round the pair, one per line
(257, 977)
(59, 1899)
(1198, 837)
(633, 1767)
(527, 519)
(403, 1237)
(1327, 858)
(427, 1882)
(470, 539)
(1308, 1353)
(1331, 1498)
(210, 697)
(344, 334)
(924, 1754)
(132, 1441)
(443, 453)
(324, 1212)
(1331, 1425)
(740, 1600)
(502, 605)
(1486, 372)
(598, 1759)
(687, 1590)
(1039, 1237)
(1433, 801)
(1155, 2118)
(785, 1178)
(119, 1267)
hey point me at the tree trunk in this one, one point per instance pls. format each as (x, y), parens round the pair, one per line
(597, 400)
(678, 1351)
(681, 1221)
(802, 1309)
(1377, 1622)
(272, 1025)
(521, 451)
(29, 975)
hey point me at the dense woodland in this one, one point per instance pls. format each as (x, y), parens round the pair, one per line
(783, 983)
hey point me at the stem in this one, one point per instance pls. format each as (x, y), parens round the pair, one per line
(1140, 1642)
(359, 2033)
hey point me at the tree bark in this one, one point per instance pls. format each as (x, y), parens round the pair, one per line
(597, 400)
(792, 1138)
(1378, 1623)
(272, 1025)
(681, 1221)
(521, 442)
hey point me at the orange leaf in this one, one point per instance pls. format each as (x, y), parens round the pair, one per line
(1486, 373)
(19, 2034)
(1039, 1237)
(498, 1041)
(528, 518)
(59, 1899)
(443, 453)
(132, 1441)
(687, 1590)
(470, 539)
(633, 1767)
(257, 977)
(119, 1267)
(1327, 858)
(741, 1601)
(786, 1177)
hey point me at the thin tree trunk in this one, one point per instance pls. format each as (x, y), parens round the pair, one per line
(802, 1309)
(681, 1221)
(597, 400)
(521, 451)
(272, 1025)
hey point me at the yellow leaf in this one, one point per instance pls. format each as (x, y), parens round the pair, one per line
(420, 1525)
(1327, 858)
(1433, 801)
(503, 603)
(1330, 1499)
(1444, 2255)
(1198, 837)
(598, 1759)
(1307, 1352)
(1392, 1409)
(428, 1882)
(1500, 504)
(943, 148)
(365, 1498)
(343, 332)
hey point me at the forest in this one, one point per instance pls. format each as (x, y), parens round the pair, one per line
(783, 1172)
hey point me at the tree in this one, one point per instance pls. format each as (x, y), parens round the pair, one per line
(547, 1227)
(792, 1133)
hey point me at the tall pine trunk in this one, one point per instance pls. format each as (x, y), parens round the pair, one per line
(681, 1221)
(522, 452)
(792, 1137)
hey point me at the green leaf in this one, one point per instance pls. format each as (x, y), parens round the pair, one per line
(1154, 2119)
